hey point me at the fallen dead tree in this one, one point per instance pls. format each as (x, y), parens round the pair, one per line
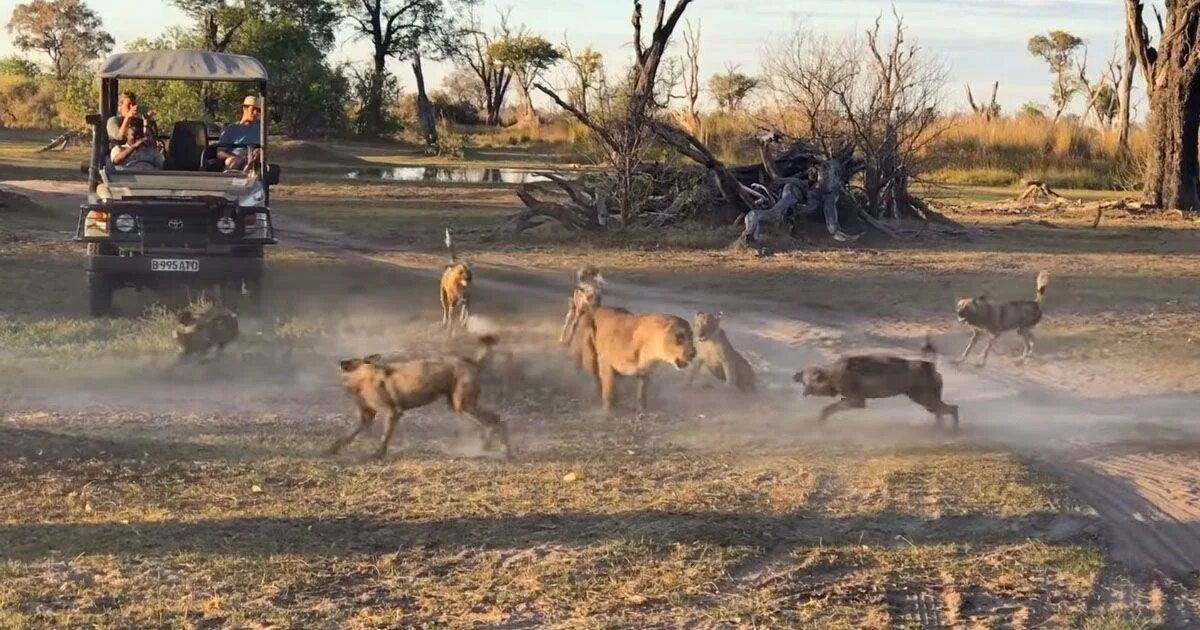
(582, 203)
(1035, 189)
(63, 141)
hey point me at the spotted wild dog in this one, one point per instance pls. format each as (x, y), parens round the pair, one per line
(198, 334)
(714, 351)
(858, 378)
(455, 289)
(587, 293)
(987, 317)
(391, 389)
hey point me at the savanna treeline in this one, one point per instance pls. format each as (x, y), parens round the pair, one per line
(821, 87)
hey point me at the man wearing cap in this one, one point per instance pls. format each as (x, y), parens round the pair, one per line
(240, 143)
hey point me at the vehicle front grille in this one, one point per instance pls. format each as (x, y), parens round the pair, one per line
(176, 228)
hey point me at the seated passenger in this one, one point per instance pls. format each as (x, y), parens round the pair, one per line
(240, 144)
(127, 110)
(139, 152)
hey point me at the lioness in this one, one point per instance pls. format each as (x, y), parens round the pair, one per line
(615, 341)
(985, 316)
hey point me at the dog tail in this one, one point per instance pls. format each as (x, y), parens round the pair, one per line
(486, 343)
(450, 247)
(1043, 281)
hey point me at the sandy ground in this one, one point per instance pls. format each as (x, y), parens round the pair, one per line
(1134, 460)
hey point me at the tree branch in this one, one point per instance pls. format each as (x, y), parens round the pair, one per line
(581, 117)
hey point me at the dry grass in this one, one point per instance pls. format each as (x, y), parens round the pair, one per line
(1004, 152)
(972, 151)
(234, 520)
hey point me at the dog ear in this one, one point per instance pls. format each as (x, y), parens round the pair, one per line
(349, 365)
(798, 377)
(373, 358)
(186, 317)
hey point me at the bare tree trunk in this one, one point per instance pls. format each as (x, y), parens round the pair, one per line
(1125, 94)
(528, 113)
(1175, 122)
(691, 80)
(424, 107)
(371, 117)
(1172, 73)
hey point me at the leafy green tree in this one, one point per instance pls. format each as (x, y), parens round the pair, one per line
(19, 67)
(66, 31)
(1057, 49)
(731, 88)
(528, 56)
(307, 95)
(1031, 110)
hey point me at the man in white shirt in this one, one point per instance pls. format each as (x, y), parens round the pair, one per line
(139, 152)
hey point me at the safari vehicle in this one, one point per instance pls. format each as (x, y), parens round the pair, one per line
(191, 223)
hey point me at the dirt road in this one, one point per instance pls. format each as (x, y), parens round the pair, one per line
(1135, 460)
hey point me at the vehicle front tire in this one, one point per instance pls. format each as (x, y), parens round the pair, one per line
(100, 294)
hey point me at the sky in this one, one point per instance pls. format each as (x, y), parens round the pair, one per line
(981, 40)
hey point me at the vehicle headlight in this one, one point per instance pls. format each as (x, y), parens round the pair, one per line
(255, 198)
(96, 223)
(226, 225)
(257, 225)
(125, 223)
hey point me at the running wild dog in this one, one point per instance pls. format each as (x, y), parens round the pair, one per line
(391, 389)
(586, 294)
(455, 286)
(857, 378)
(986, 317)
(197, 335)
(714, 351)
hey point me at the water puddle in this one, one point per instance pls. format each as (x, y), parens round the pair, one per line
(447, 174)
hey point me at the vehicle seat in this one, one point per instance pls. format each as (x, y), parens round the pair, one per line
(188, 145)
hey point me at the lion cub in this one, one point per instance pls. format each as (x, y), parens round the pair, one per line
(456, 282)
(714, 351)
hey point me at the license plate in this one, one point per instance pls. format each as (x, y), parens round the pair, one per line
(174, 264)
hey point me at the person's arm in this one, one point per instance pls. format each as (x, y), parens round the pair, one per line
(124, 126)
(223, 143)
(122, 153)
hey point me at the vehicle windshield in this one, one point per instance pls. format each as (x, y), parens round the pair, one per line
(177, 125)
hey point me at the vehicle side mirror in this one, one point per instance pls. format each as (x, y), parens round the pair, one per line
(271, 177)
(94, 119)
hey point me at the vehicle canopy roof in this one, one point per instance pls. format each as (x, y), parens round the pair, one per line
(183, 64)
